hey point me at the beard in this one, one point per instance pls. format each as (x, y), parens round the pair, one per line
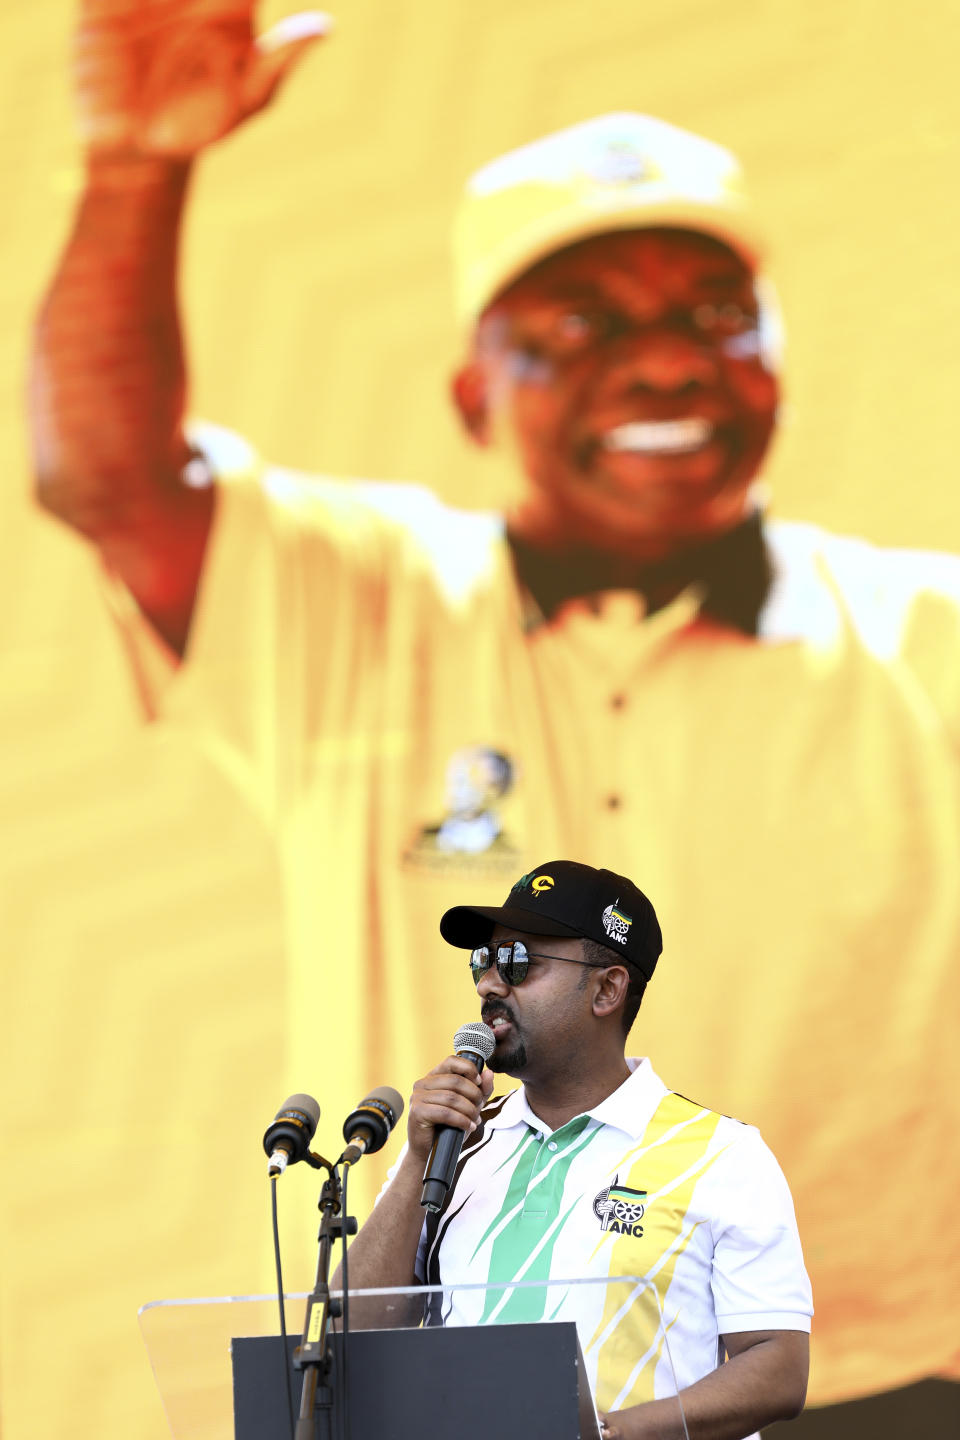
(510, 1061)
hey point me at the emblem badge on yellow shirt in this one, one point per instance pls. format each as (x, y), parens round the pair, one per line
(477, 779)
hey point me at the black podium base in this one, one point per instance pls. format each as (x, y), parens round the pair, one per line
(514, 1381)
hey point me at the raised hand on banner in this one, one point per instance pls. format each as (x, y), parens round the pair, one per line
(167, 78)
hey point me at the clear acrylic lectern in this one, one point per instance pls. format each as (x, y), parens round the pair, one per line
(520, 1359)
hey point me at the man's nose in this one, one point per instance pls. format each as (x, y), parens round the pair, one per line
(666, 360)
(490, 983)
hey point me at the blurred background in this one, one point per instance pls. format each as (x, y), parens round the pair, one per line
(140, 899)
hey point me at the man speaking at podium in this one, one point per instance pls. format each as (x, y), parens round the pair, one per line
(560, 970)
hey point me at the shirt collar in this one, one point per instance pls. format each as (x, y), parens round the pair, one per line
(732, 571)
(629, 1108)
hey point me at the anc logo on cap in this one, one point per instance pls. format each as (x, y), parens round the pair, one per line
(621, 162)
(536, 883)
(617, 923)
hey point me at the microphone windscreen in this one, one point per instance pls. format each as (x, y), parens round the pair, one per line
(306, 1105)
(293, 1126)
(389, 1097)
(475, 1039)
(375, 1117)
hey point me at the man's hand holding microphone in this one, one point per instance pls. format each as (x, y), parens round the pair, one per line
(444, 1109)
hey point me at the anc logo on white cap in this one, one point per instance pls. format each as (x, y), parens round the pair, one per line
(622, 162)
(616, 923)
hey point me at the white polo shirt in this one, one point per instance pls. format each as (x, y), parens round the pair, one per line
(646, 1184)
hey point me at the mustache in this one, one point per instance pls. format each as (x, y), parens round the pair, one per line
(492, 1009)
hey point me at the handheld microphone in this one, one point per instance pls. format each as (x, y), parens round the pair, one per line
(366, 1128)
(477, 1042)
(288, 1136)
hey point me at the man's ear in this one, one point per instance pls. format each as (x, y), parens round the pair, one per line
(611, 990)
(469, 389)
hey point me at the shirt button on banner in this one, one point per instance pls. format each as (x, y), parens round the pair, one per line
(618, 701)
(613, 802)
(552, 1145)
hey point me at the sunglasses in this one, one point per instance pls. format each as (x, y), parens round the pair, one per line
(513, 961)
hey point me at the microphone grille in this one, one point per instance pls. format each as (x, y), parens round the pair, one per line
(475, 1039)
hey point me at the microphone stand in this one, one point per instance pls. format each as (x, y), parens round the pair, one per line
(312, 1355)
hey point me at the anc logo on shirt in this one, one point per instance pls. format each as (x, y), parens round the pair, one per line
(620, 1209)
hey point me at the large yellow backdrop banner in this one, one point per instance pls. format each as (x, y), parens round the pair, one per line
(152, 1020)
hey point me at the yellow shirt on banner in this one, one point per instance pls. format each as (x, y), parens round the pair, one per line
(362, 662)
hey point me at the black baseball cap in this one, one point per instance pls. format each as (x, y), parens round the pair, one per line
(564, 897)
